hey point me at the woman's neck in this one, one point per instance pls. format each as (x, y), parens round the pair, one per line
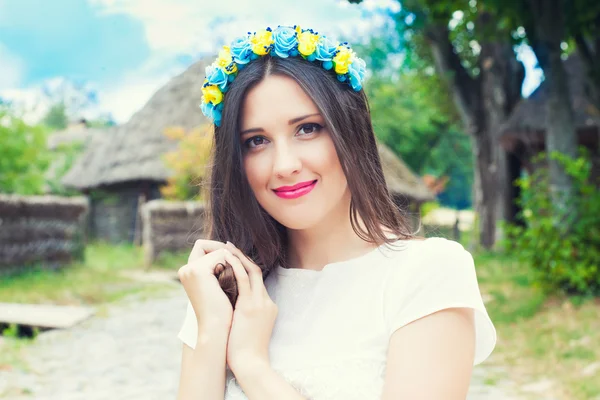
(332, 240)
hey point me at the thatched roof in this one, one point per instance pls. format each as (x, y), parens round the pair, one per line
(527, 123)
(400, 179)
(133, 151)
(72, 135)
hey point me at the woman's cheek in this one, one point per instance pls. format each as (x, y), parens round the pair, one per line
(257, 172)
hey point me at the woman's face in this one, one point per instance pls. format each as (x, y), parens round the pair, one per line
(286, 143)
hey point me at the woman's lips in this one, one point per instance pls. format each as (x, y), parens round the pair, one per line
(293, 194)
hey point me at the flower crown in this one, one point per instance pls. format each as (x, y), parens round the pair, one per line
(284, 42)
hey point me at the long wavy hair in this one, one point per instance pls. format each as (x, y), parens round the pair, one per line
(234, 213)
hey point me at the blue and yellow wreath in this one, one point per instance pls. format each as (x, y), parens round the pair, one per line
(283, 42)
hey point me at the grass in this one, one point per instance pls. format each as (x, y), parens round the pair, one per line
(541, 337)
(100, 279)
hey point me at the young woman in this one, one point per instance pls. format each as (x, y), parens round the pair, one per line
(312, 285)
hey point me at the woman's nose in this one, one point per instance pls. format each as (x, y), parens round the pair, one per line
(286, 162)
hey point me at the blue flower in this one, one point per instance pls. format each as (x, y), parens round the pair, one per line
(212, 112)
(217, 76)
(357, 70)
(241, 50)
(285, 41)
(326, 49)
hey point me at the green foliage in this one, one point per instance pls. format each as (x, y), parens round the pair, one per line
(412, 110)
(11, 331)
(56, 118)
(414, 117)
(63, 158)
(102, 122)
(24, 156)
(564, 251)
(428, 207)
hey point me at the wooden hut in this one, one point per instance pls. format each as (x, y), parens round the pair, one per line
(123, 167)
(523, 134)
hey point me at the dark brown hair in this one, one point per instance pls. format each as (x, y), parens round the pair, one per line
(234, 213)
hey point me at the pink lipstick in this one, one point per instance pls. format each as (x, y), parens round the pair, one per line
(295, 191)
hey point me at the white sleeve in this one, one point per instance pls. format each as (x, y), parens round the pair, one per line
(189, 330)
(441, 276)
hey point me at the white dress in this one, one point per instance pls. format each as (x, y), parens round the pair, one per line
(333, 327)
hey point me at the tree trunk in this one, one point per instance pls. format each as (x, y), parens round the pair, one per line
(560, 122)
(589, 50)
(484, 102)
(486, 181)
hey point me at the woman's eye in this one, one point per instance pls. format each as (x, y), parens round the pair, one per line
(307, 129)
(254, 141)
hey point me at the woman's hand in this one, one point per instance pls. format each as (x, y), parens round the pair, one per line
(253, 317)
(213, 310)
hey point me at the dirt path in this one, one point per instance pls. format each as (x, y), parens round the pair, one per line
(133, 353)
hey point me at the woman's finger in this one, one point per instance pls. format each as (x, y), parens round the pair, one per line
(210, 260)
(203, 247)
(254, 271)
(241, 277)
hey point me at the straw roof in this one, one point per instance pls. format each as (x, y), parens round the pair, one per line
(400, 179)
(74, 134)
(527, 122)
(133, 151)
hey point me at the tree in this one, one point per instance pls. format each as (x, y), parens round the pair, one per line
(56, 118)
(475, 56)
(548, 26)
(25, 157)
(413, 115)
(188, 162)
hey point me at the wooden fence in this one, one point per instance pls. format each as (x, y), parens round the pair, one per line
(41, 230)
(170, 226)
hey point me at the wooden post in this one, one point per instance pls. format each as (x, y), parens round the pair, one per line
(147, 235)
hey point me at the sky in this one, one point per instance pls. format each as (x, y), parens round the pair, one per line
(110, 56)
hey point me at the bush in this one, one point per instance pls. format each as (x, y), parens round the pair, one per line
(63, 158)
(24, 156)
(563, 251)
(188, 162)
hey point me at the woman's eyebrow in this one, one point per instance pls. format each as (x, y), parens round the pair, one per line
(298, 119)
(290, 122)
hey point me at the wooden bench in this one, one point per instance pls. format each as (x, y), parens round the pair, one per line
(43, 315)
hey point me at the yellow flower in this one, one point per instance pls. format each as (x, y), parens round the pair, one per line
(307, 43)
(225, 60)
(342, 60)
(261, 42)
(212, 94)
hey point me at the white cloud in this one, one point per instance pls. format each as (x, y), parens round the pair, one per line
(190, 26)
(28, 103)
(11, 69)
(126, 97)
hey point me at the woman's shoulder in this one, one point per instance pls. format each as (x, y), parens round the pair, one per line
(424, 255)
(428, 247)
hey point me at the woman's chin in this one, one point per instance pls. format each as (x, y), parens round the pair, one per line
(298, 222)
